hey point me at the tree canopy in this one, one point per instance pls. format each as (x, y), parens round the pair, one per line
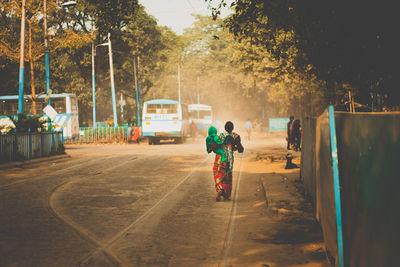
(341, 42)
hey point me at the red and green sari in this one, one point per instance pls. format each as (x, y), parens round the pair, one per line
(222, 177)
(214, 144)
(223, 146)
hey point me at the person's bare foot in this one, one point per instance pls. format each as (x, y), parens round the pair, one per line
(218, 197)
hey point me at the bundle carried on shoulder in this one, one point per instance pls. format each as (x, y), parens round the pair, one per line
(214, 143)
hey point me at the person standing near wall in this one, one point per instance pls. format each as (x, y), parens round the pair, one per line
(296, 135)
(290, 131)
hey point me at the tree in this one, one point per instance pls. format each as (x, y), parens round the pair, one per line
(340, 42)
(34, 18)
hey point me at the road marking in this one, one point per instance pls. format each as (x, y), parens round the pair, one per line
(229, 234)
(126, 229)
(61, 171)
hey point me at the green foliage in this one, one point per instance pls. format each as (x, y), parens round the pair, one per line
(340, 42)
(25, 123)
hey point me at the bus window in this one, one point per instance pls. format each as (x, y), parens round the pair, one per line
(74, 105)
(194, 114)
(59, 105)
(204, 114)
(162, 109)
(9, 107)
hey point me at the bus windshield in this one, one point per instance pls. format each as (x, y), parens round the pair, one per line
(200, 114)
(162, 109)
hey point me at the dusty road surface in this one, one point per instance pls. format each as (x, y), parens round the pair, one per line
(141, 205)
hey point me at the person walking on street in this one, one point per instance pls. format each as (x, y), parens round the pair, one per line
(248, 126)
(223, 146)
(193, 129)
(290, 131)
(230, 143)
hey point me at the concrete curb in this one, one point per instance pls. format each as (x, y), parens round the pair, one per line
(278, 190)
(32, 161)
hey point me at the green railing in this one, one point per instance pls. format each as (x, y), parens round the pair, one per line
(100, 135)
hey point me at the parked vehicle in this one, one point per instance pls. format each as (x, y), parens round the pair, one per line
(202, 117)
(65, 105)
(165, 119)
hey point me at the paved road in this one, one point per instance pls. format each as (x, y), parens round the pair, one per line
(141, 205)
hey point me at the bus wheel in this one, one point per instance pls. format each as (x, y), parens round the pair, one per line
(178, 140)
(156, 141)
(151, 141)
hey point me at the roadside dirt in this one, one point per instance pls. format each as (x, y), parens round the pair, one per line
(140, 205)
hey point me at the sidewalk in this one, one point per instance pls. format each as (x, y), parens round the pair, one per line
(275, 225)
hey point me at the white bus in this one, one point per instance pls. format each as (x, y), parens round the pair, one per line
(202, 117)
(165, 119)
(66, 106)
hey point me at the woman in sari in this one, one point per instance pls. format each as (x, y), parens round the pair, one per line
(223, 147)
(230, 143)
(214, 144)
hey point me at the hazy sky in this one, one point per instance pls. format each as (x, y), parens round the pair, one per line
(176, 14)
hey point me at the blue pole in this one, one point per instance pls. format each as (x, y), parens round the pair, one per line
(336, 185)
(21, 63)
(21, 91)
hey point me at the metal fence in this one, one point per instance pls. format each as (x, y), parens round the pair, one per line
(24, 146)
(88, 135)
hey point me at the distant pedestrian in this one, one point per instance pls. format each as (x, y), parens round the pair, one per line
(248, 126)
(296, 135)
(135, 133)
(290, 131)
(193, 129)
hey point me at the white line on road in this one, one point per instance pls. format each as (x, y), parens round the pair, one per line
(229, 237)
(126, 229)
(55, 173)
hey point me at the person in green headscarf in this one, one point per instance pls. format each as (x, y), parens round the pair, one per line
(214, 144)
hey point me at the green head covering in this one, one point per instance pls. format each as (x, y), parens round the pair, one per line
(213, 137)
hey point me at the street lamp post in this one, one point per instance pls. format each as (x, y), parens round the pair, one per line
(179, 83)
(93, 79)
(137, 91)
(21, 63)
(112, 81)
(111, 78)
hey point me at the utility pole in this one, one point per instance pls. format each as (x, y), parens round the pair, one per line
(112, 82)
(137, 92)
(21, 63)
(93, 78)
(198, 91)
(46, 50)
(179, 83)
